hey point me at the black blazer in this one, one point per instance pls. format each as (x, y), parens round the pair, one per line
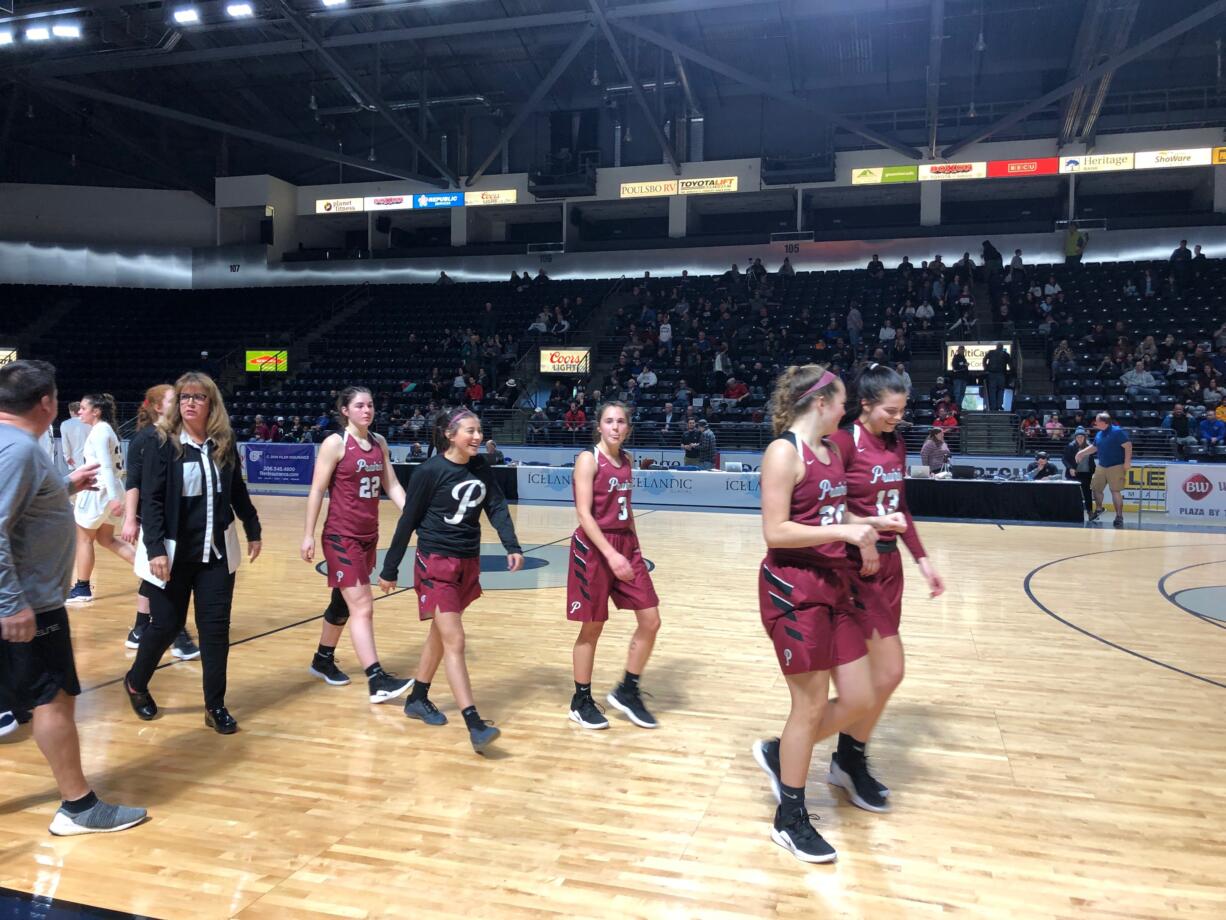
(161, 489)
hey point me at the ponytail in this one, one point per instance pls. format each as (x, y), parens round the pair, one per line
(105, 404)
(795, 391)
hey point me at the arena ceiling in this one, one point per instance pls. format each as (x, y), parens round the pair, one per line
(368, 88)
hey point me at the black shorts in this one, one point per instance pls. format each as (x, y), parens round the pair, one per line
(34, 672)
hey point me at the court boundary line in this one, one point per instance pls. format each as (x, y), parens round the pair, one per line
(319, 616)
(1173, 598)
(1107, 642)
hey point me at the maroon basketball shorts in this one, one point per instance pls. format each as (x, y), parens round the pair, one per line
(591, 584)
(350, 560)
(877, 599)
(445, 584)
(800, 607)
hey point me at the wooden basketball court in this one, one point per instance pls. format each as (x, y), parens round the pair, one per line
(1056, 750)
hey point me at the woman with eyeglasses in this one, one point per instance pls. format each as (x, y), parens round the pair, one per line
(191, 491)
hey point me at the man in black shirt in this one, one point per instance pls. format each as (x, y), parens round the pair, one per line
(691, 438)
(996, 364)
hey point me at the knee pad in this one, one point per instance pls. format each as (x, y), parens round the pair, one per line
(337, 613)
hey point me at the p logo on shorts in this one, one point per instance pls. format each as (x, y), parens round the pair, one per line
(787, 657)
(575, 605)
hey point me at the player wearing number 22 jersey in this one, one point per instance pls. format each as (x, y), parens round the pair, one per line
(351, 529)
(876, 485)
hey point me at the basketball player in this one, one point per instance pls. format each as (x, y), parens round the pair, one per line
(158, 400)
(354, 466)
(444, 502)
(73, 433)
(802, 585)
(605, 565)
(875, 460)
(94, 509)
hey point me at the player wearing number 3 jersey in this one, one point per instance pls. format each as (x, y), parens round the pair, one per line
(876, 463)
(355, 468)
(606, 565)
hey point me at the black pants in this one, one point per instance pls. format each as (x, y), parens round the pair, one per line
(996, 391)
(213, 587)
(1087, 495)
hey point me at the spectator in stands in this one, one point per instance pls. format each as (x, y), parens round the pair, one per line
(1183, 430)
(1016, 262)
(940, 392)
(493, 456)
(960, 373)
(996, 365)
(786, 270)
(924, 312)
(1054, 429)
(541, 277)
(538, 425)
(266, 431)
(1112, 449)
(1140, 382)
(946, 418)
(647, 378)
(966, 324)
(1042, 467)
(935, 452)
(561, 325)
(887, 333)
(1178, 365)
(474, 393)
(1181, 260)
(691, 441)
(876, 269)
(901, 368)
(902, 348)
(1030, 427)
(855, 325)
(443, 280)
(297, 431)
(664, 336)
(671, 421)
(1219, 360)
(1150, 287)
(683, 395)
(1063, 360)
(1052, 287)
(735, 391)
(575, 419)
(706, 445)
(1080, 470)
(1075, 243)
(541, 324)
(1129, 290)
(1212, 431)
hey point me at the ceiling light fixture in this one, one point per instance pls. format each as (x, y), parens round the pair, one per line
(239, 11)
(38, 34)
(187, 15)
(6, 38)
(333, 3)
(66, 30)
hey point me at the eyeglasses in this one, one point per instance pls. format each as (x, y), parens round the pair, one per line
(193, 397)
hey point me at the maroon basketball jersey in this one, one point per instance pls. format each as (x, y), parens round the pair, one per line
(611, 493)
(353, 506)
(876, 472)
(818, 500)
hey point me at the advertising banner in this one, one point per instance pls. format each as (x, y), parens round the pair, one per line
(565, 360)
(1096, 162)
(8, 354)
(929, 172)
(1016, 169)
(490, 196)
(884, 175)
(266, 361)
(648, 189)
(389, 203)
(707, 186)
(280, 464)
(1219, 156)
(1169, 159)
(1196, 493)
(338, 205)
(438, 200)
(975, 352)
(652, 487)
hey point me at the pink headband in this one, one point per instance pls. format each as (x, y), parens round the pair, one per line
(458, 414)
(824, 380)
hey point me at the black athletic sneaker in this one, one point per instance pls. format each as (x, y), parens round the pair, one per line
(134, 634)
(384, 687)
(766, 753)
(184, 648)
(1118, 522)
(800, 838)
(631, 703)
(424, 710)
(484, 736)
(587, 712)
(862, 790)
(327, 669)
(1095, 515)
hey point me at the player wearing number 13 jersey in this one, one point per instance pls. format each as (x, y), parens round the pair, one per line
(606, 565)
(355, 467)
(876, 462)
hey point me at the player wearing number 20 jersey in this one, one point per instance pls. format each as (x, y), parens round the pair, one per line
(351, 529)
(876, 485)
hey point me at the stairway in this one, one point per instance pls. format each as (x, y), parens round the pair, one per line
(988, 433)
(927, 364)
(1034, 372)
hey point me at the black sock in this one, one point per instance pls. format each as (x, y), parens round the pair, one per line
(420, 691)
(583, 689)
(793, 801)
(142, 620)
(471, 719)
(81, 584)
(631, 681)
(83, 804)
(374, 669)
(850, 750)
(325, 651)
